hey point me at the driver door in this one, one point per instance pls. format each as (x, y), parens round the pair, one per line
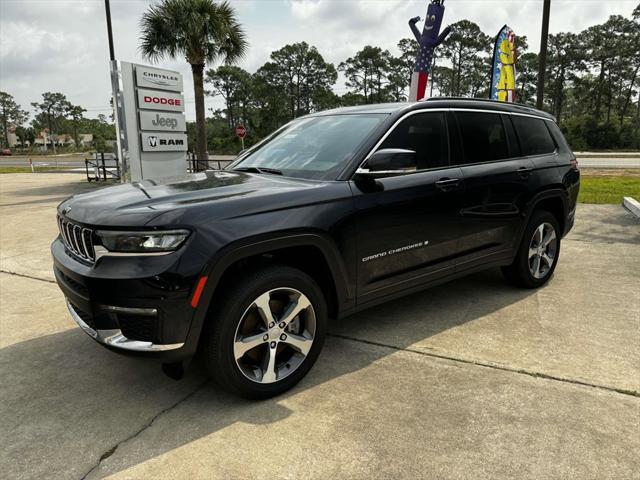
(407, 224)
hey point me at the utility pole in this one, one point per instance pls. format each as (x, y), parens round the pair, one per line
(109, 32)
(542, 58)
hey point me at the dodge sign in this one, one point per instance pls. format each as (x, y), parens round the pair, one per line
(153, 100)
(163, 142)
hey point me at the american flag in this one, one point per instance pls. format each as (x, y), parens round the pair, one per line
(420, 76)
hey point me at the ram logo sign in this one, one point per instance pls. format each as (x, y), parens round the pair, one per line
(164, 142)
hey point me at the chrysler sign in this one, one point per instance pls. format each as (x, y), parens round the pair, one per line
(163, 142)
(149, 99)
(165, 121)
(147, 77)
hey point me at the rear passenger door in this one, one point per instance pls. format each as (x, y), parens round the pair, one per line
(538, 145)
(497, 184)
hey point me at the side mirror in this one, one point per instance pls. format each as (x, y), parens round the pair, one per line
(389, 161)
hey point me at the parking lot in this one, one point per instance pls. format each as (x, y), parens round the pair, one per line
(473, 379)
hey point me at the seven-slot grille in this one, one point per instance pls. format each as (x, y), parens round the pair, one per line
(77, 239)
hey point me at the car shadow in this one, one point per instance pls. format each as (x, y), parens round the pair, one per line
(65, 393)
(60, 189)
(46, 194)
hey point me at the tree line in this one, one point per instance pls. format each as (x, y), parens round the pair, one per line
(56, 115)
(591, 82)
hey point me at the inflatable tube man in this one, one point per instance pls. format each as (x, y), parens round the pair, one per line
(429, 39)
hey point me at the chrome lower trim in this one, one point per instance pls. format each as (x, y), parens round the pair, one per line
(150, 312)
(115, 338)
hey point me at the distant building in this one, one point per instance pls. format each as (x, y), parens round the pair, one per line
(63, 139)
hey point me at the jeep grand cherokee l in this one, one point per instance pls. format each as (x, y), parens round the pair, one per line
(333, 213)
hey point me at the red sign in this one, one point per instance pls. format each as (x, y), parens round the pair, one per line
(162, 100)
(241, 131)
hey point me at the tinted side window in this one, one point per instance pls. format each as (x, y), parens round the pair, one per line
(534, 135)
(425, 134)
(483, 137)
(557, 135)
(514, 144)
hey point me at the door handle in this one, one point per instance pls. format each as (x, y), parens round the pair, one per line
(524, 172)
(447, 184)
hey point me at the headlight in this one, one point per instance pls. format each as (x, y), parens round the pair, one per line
(142, 242)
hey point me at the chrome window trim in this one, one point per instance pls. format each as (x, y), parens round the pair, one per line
(362, 170)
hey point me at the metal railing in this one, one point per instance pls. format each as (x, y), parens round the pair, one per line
(101, 166)
(195, 165)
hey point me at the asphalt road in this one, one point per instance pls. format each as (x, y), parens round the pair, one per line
(470, 380)
(71, 161)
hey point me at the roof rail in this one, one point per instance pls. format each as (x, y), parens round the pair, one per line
(517, 106)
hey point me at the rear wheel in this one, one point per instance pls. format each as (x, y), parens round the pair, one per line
(267, 332)
(538, 253)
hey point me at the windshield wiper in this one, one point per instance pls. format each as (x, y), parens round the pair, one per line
(259, 170)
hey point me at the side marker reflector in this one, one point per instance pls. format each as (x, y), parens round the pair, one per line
(198, 292)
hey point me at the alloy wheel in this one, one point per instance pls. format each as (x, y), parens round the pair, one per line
(274, 335)
(543, 249)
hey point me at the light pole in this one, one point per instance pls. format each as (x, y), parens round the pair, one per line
(109, 32)
(542, 58)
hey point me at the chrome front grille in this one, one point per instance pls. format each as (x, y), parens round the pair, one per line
(77, 239)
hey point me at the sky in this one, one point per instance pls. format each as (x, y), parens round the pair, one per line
(61, 45)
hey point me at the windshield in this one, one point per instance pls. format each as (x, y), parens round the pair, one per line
(314, 147)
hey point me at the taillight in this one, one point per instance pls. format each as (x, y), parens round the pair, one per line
(574, 163)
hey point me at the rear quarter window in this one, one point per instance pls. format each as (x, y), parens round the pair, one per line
(534, 135)
(561, 142)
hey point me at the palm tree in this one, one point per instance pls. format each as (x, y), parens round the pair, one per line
(201, 30)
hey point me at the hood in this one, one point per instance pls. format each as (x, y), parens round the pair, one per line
(221, 193)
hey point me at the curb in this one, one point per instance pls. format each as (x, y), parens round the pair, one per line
(632, 205)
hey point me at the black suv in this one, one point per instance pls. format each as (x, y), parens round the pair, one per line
(333, 213)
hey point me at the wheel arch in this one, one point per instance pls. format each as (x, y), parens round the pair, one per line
(554, 201)
(313, 253)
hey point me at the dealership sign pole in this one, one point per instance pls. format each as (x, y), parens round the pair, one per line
(152, 139)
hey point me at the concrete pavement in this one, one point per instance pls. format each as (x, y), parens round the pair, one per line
(473, 379)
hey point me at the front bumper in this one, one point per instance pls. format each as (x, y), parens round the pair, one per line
(116, 339)
(135, 306)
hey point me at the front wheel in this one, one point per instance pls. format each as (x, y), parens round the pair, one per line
(266, 333)
(538, 253)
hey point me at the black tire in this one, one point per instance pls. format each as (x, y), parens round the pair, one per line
(519, 272)
(229, 309)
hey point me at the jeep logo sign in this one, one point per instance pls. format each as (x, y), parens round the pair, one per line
(164, 121)
(148, 77)
(151, 100)
(163, 142)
